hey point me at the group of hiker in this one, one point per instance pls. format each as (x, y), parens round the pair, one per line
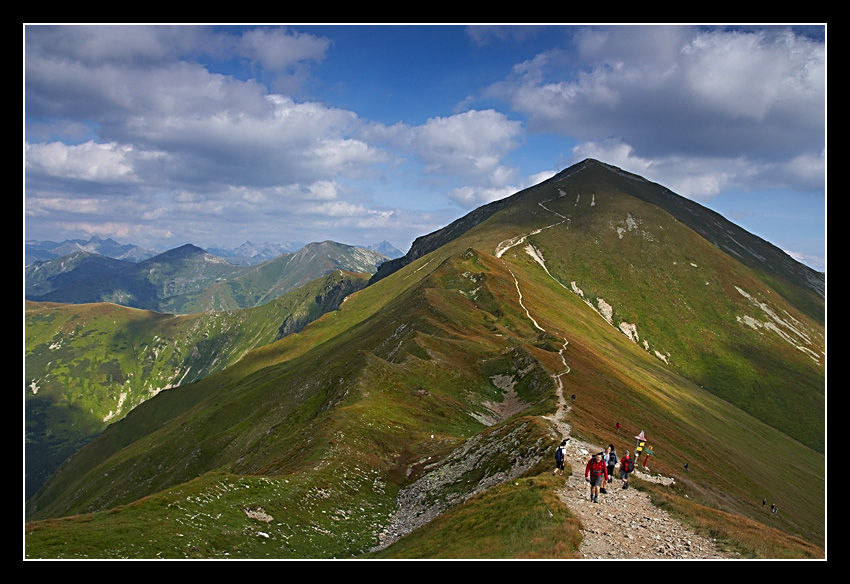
(599, 471)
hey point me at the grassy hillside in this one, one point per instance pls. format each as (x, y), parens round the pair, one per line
(742, 332)
(87, 365)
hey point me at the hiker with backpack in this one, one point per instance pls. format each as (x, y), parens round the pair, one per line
(595, 472)
(627, 465)
(610, 460)
(559, 459)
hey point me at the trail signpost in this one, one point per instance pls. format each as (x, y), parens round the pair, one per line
(643, 448)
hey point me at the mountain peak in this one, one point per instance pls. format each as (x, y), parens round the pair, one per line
(184, 251)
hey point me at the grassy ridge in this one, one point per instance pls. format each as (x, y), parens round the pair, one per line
(381, 406)
(399, 383)
(715, 321)
(521, 519)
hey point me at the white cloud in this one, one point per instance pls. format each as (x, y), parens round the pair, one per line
(470, 145)
(88, 161)
(151, 131)
(756, 76)
(94, 45)
(695, 178)
(278, 49)
(472, 197)
(679, 91)
(44, 205)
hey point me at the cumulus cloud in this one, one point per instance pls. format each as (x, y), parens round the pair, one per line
(469, 148)
(679, 91)
(195, 144)
(183, 126)
(693, 177)
(472, 196)
(88, 161)
(470, 143)
(699, 110)
(178, 125)
(279, 49)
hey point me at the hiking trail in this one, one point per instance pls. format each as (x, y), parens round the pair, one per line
(624, 523)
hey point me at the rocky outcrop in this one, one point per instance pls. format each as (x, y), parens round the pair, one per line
(500, 455)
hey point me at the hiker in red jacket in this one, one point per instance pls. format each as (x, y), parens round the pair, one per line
(626, 466)
(595, 472)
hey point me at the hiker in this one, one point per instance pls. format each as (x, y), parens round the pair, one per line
(627, 465)
(559, 459)
(594, 473)
(618, 426)
(763, 503)
(610, 459)
(686, 467)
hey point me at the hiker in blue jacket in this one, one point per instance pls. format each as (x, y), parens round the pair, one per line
(559, 459)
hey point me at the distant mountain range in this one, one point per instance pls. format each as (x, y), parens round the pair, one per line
(419, 418)
(246, 254)
(188, 279)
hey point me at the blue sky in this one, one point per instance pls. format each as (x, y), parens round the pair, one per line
(214, 135)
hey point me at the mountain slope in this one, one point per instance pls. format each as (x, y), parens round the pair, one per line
(443, 373)
(87, 365)
(259, 284)
(699, 299)
(187, 279)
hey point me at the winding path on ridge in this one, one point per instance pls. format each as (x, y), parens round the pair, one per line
(625, 523)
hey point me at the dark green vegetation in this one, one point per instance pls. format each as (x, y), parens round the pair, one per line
(428, 388)
(87, 365)
(187, 280)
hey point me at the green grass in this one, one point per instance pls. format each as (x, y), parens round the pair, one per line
(750, 538)
(220, 515)
(520, 519)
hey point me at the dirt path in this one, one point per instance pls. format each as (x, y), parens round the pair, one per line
(624, 523)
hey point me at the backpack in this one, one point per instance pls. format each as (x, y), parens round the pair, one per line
(559, 454)
(597, 470)
(630, 464)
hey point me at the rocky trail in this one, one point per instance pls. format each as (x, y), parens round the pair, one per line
(624, 523)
